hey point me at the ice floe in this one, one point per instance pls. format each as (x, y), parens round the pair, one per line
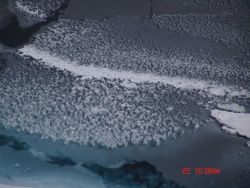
(234, 122)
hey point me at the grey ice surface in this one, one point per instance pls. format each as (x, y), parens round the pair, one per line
(219, 28)
(128, 44)
(97, 9)
(101, 9)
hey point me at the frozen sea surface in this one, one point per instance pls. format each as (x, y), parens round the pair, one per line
(114, 88)
(100, 111)
(211, 147)
(151, 84)
(26, 165)
(101, 9)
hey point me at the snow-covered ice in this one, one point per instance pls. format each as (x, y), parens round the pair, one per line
(226, 7)
(129, 77)
(97, 111)
(92, 83)
(148, 76)
(218, 28)
(234, 122)
(104, 45)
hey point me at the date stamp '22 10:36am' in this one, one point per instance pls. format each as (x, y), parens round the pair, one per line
(201, 171)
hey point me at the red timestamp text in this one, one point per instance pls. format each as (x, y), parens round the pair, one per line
(201, 171)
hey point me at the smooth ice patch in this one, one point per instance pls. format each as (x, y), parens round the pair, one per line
(232, 107)
(234, 122)
(129, 77)
(11, 186)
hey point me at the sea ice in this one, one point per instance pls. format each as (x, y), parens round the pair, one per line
(231, 107)
(236, 122)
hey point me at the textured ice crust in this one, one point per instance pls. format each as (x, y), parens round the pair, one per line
(30, 12)
(94, 111)
(218, 28)
(90, 83)
(235, 122)
(129, 78)
(230, 7)
(107, 46)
